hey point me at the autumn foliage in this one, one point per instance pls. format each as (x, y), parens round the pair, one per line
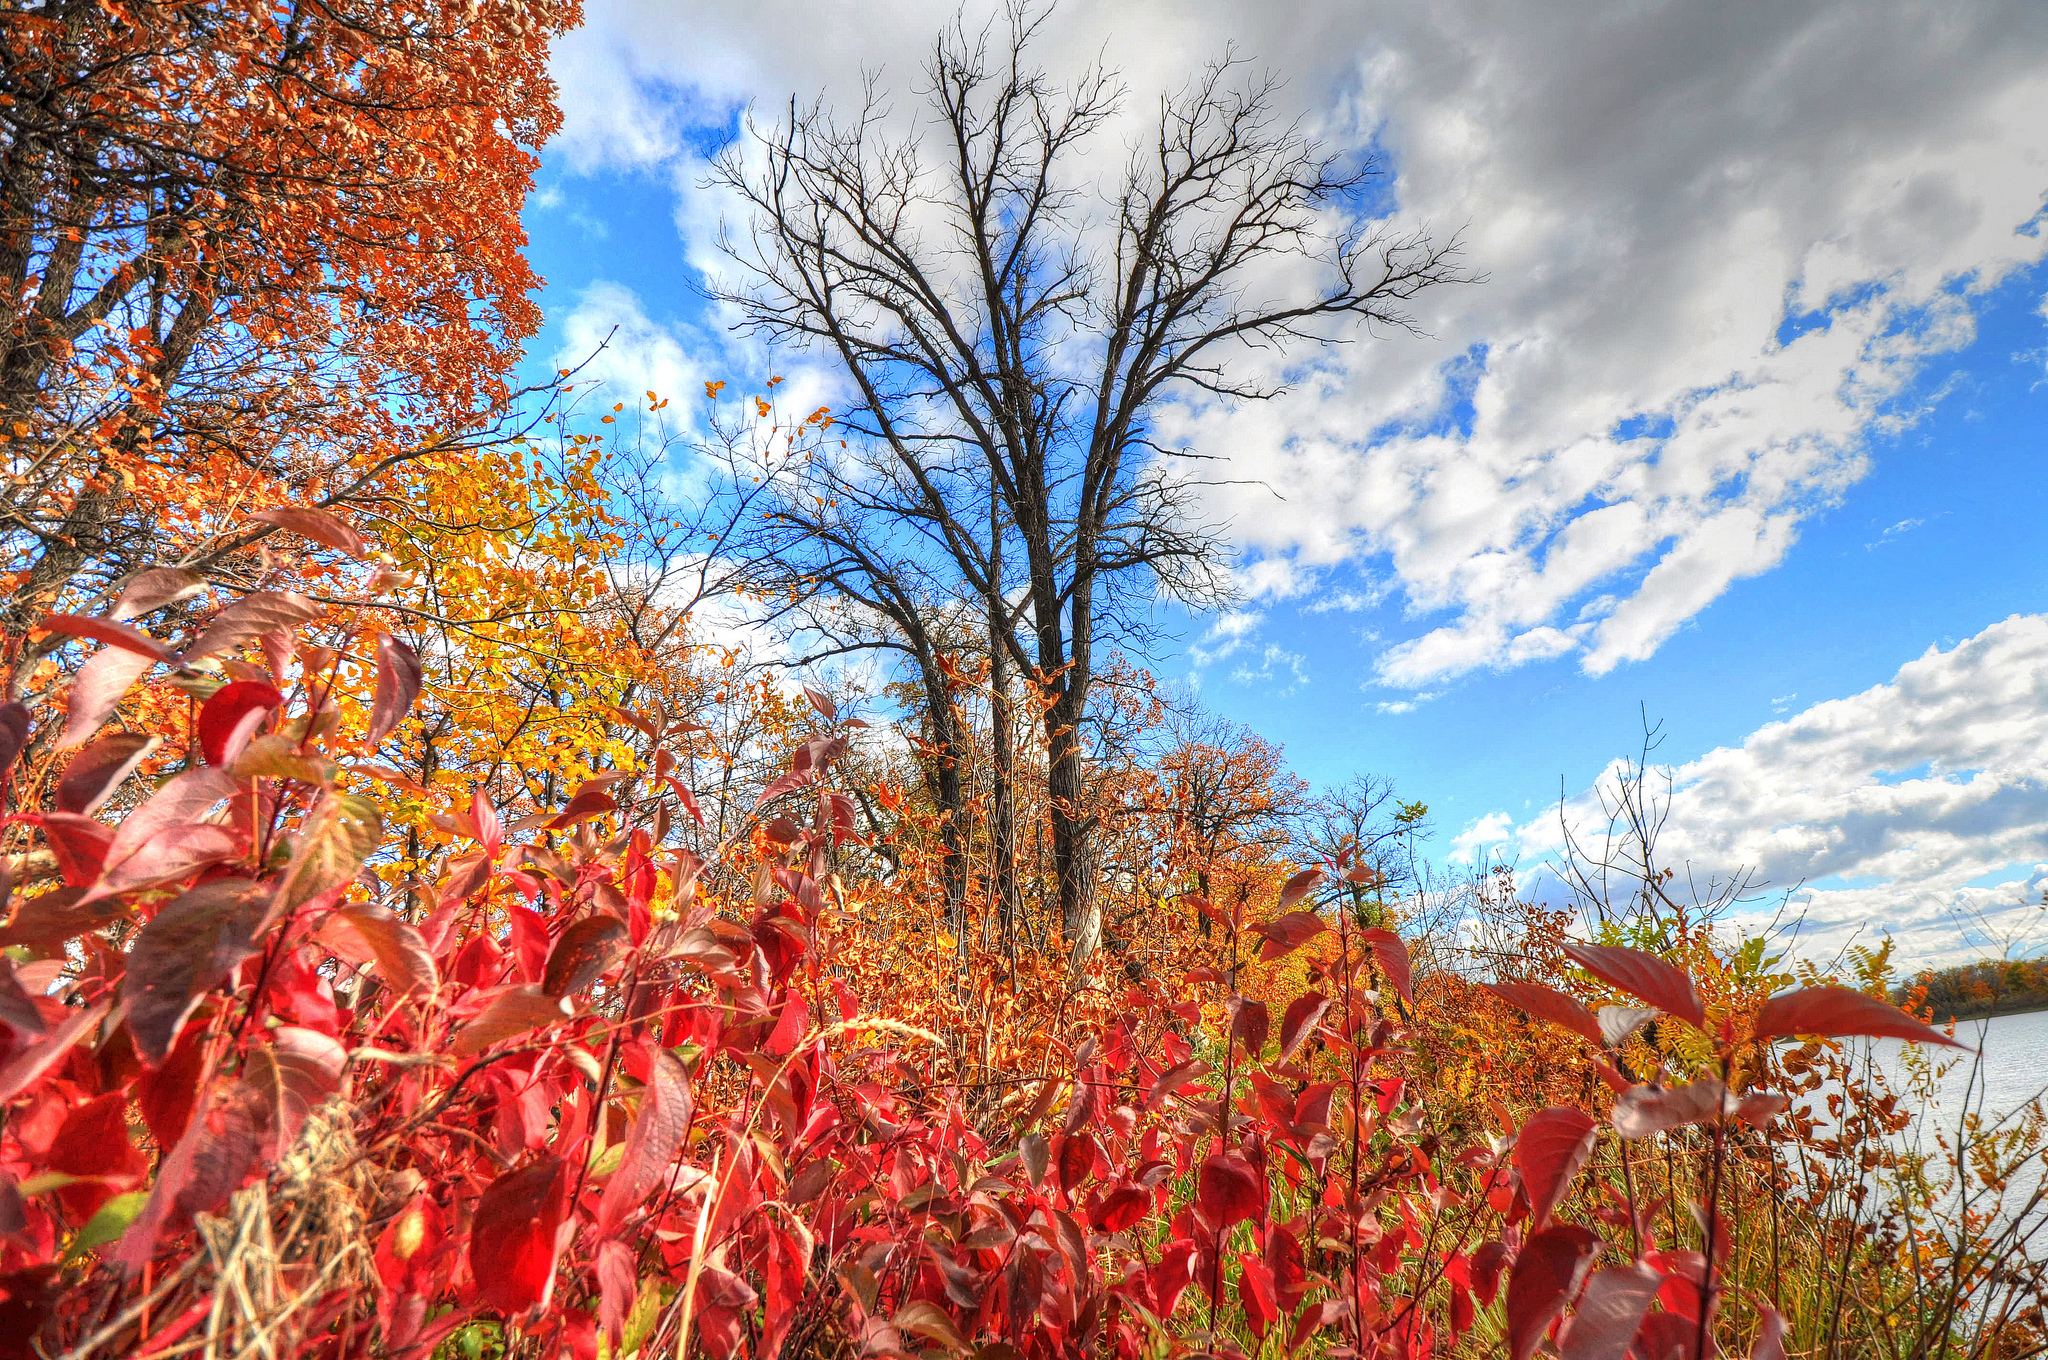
(427, 932)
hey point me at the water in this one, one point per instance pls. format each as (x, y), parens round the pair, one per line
(2015, 1068)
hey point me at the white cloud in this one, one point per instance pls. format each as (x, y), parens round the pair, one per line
(1892, 801)
(1486, 833)
(610, 338)
(1279, 672)
(1652, 191)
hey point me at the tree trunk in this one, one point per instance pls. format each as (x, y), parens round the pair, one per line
(943, 781)
(1073, 851)
(1002, 811)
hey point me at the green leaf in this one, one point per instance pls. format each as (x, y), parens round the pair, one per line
(273, 756)
(335, 839)
(108, 1224)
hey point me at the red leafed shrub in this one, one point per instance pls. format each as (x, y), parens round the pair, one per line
(558, 1098)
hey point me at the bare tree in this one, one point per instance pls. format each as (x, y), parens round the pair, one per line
(1010, 335)
(1361, 821)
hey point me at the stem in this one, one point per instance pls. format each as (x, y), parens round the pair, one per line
(1713, 1225)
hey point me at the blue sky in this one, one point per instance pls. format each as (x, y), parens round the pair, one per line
(1747, 418)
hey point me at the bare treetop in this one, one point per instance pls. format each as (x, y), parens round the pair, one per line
(1010, 332)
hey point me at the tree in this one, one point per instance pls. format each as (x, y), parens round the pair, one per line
(1007, 342)
(249, 255)
(1228, 799)
(826, 553)
(1363, 822)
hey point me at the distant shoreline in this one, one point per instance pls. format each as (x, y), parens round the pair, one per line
(2028, 1007)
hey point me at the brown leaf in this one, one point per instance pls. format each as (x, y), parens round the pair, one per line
(513, 1010)
(250, 616)
(149, 591)
(179, 956)
(97, 690)
(321, 526)
(398, 685)
(583, 952)
(334, 840)
(401, 954)
(94, 773)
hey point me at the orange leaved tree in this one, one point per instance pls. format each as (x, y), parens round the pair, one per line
(249, 254)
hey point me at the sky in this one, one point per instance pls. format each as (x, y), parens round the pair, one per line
(1740, 436)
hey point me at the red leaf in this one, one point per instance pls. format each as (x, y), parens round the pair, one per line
(107, 631)
(652, 1142)
(821, 702)
(408, 1247)
(401, 954)
(1285, 934)
(1545, 1003)
(1296, 887)
(398, 685)
(1076, 1160)
(1255, 1294)
(176, 852)
(1248, 1025)
(512, 1237)
(1667, 1336)
(782, 783)
(1122, 1208)
(80, 845)
(1609, 1314)
(94, 773)
(231, 717)
(581, 808)
(1300, 1021)
(166, 1096)
(689, 801)
(295, 1074)
(180, 803)
(1643, 976)
(149, 591)
(1770, 1334)
(1393, 959)
(1230, 1191)
(93, 1144)
(1171, 1080)
(188, 947)
(17, 1008)
(582, 953)
(1839, 1012)
(1544, 1275)
(1553, 1147)
(97, 690)
(1486, 1267)
(31, 1060)
(790, 1027)
(618, 1284)
(321, 526)
(207, 1165)
(1644, 1110)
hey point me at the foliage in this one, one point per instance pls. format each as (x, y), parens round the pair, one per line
(249, 257)
(427, 933)
(1969, 990)
(563, 1090)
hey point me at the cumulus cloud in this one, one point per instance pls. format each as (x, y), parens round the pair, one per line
(1722, 243)
(1891, 804)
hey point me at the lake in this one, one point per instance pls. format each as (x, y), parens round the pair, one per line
(2015, 1068)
